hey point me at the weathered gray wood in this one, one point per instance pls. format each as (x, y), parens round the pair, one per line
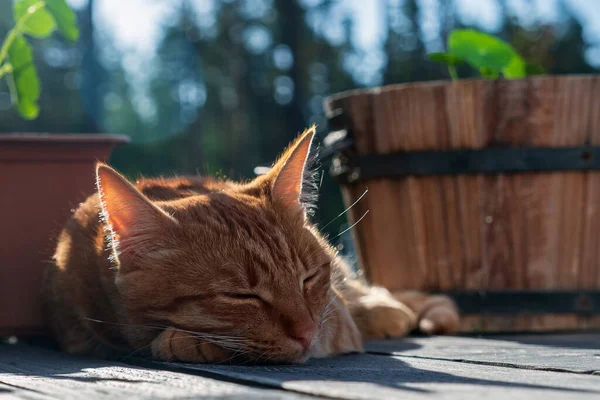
(422, 368)
(578, 353)
(12, 393)
(369, 376)
(35, 373)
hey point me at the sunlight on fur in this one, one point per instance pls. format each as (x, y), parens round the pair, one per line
(201, 270)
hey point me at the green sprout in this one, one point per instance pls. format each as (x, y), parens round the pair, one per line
(37, 19)
(489, 55)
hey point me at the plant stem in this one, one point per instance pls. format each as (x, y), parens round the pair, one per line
(12, 35)
(452, 71)
(17, 30)
(5, 69)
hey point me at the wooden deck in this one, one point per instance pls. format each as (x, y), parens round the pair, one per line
(565, 366)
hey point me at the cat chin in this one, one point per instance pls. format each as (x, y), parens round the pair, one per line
(297, 358)
(304, 358)
(301, 358)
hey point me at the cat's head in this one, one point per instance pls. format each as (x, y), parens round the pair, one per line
(240, 264)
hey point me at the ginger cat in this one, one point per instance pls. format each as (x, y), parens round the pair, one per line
(204, 271)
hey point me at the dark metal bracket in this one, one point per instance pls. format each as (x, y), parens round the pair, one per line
(348, 167)
(485, 161)
(513, 302)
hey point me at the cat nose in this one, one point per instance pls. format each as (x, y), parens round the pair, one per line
(304, 335)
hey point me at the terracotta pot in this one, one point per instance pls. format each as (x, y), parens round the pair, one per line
(42, 179)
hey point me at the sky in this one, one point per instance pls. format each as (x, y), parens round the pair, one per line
(138, 40)
(149, 15)
(135, 28)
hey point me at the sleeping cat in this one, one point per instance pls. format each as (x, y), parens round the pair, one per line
(204, 271)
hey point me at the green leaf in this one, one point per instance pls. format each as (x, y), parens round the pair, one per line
(24, 80)
(516, 68)
(481, 50)
(28, 109)
(39, 24)
(445, 58)
(534, 69)
(66, 20)
(28, 83)
(488, 73)
(19, 54)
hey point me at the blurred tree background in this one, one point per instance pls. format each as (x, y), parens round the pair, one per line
(229, 83)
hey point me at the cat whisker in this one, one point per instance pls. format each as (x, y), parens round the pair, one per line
(326, 316)
(328, 308)
(235, 353)
(159, 327)
(220, 340)
(232, 349)
(212, 336)
(347, 209)
(328, 319)
(202, 335)
(227, 346)
(328, 313)
(351, 226)
(150, 345)
(333, 298)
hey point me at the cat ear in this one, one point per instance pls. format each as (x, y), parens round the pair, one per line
(293, 185)
(130, 216)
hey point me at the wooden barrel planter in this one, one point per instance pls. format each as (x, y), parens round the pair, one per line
(488, 190)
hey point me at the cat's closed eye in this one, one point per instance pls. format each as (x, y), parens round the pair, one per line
(243, 296)
(317, 272)
(310, 279)
(313, 278)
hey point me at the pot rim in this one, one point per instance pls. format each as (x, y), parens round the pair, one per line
(442, 83)
(91, 138)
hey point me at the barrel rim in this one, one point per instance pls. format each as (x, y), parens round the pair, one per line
(447, 83)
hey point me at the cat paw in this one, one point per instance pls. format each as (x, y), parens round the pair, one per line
(378, 315)
(174, 345)
(439, 317)
(437, 314)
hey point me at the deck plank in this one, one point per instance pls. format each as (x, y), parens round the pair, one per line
(577, 353)
(36, 373)
(368, 376)
(413, 368)
(12, 393)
